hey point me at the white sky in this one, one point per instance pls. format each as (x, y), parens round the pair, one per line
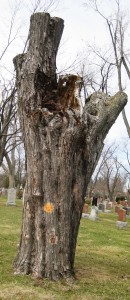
(81, 26)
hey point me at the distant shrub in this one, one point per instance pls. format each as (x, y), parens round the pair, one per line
(19, 194)
(120, 198)
(87, 200)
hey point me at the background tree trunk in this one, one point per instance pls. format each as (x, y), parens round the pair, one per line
(62, 148)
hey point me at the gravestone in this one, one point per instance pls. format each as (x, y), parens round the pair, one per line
(121, 223)
(85, 209)
(4, 192)
(121, 215)
(109, 205)
(85, 215)
(105, 204)
(11, 196)
(93, 214)
(101, 206)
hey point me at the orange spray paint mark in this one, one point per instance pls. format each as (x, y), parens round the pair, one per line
(48, 207)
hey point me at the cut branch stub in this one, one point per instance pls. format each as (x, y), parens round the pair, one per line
(36, 69)
(45, 34)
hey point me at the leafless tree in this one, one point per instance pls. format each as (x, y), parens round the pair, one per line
(20, 171)
(107, 154)
(111, 174)
(116, 25)
(123, 166)
(8, 91)
(7, 113)
(95, 76)
(13, 144)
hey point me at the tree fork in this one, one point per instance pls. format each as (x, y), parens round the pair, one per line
(62, 144)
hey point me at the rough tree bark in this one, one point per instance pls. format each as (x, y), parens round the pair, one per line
(62, 147)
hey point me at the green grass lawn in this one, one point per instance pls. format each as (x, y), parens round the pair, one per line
(102, 262)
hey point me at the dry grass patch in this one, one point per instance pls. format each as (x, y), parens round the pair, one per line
(107, 250)
(14, 292)
(93, 274)
(87, 297)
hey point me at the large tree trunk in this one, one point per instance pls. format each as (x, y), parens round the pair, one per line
(62, 148)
